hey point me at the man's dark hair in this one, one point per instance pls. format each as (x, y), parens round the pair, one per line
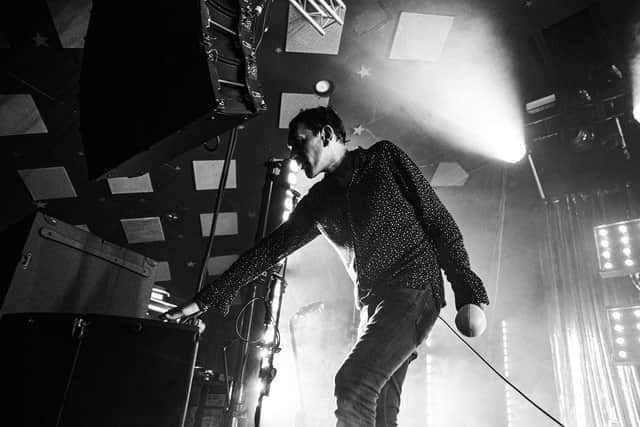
(315, 119)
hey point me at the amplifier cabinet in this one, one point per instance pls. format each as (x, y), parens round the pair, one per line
(93, 370)
(63, 268)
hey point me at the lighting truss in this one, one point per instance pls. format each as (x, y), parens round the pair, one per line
(618, 248)
(321, 13)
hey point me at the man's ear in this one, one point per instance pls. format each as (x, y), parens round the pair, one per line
(327, 132)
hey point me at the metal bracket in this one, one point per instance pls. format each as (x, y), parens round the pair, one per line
(50, 234)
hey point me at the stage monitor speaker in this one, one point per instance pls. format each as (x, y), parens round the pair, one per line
(159, 79)
(69, 370)
(62, 268)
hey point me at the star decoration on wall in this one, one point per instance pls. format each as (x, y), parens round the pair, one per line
(364, 72)
(40, 205)
(278, 50)
(40, 40)
(191, 264)
(358, 130)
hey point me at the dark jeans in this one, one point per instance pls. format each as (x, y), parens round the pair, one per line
(369, 383)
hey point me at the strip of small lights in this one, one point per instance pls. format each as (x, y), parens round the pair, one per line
(507, 388)
(290, 196)
(430, 414)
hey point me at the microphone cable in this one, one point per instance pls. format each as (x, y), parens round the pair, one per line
(500, 374)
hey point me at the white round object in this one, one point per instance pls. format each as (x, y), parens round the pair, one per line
(471, 321)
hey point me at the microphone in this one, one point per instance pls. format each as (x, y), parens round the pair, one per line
(273, 161)
(471, 321)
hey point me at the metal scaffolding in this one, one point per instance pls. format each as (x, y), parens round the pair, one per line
(321, 13)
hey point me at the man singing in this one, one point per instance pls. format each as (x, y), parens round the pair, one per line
(394, 236)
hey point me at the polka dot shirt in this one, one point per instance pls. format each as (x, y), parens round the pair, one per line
(388, 225)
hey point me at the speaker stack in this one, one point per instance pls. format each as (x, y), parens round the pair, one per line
(161, 78)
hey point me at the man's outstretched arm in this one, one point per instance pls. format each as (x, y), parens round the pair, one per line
(299, 230)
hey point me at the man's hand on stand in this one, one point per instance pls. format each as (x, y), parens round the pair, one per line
(181, 313)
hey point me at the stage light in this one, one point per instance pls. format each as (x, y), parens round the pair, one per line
(158, 302)
(513, 152)
(324, 87)
(584, 95)
(618, 245)
(294, 166)
(583, 140)
(268, 336)
(625, 334)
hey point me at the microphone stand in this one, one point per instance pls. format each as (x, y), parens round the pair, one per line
(274, 167)
(233, 138)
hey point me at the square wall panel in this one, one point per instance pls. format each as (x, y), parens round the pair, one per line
(163, 272)
(137, 184)
(292, 103)
(48, 183)
(19, 115)
(227, 224)
(71, 18)
(207, 174)
(143, 230)
(371, 18)
(219, 264)
(420, 37)
(449, 174)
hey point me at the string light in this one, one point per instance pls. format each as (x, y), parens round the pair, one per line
(505, 356)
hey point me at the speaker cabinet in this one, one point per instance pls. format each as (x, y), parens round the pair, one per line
(102, 371)
(159, 79)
